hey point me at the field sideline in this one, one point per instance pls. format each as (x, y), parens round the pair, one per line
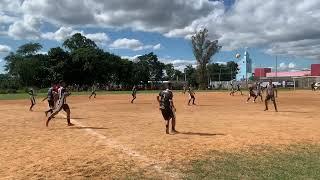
(222, 137)
(21, 95)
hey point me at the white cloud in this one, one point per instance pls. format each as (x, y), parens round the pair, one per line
(60, 35)
(125, 43)
(66, 32)
(98, 37)
(291, 65)
(4, 49)
(132, 44)
(5, 19)
(156, 47)
(285, 67)
(178, 64)
(26, 28)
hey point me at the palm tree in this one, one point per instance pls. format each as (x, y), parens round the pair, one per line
(203, 50)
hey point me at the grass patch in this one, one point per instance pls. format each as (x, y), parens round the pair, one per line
(294, 162)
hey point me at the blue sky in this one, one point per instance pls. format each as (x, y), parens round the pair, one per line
(287, 30)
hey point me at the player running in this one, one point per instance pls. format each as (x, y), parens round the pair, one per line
(165, 99)
(252, 94)
(134, 94)
(32, 99)
(62, 104)
(50, 98)
(271, 93)
(237, 90)
(191, 96)
(93, 91)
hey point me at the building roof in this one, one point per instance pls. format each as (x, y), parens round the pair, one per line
(289, 74)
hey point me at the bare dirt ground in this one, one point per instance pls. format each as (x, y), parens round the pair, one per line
(115, 139)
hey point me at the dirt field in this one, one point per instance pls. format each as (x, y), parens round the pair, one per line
(115, 139)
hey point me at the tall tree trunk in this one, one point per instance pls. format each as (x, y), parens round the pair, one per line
(202, 77)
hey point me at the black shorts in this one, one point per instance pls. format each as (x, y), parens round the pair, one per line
(192, 97)
(51, 103)
(252, 94)
(167, 114)
(65, 107)
(133, 95)
(268, 97)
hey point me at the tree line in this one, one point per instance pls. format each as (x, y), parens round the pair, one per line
(80, 61)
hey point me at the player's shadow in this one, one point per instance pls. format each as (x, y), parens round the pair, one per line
(86, 127)
(201, 134)
(295, 111)
(205, 105)
(83, 127)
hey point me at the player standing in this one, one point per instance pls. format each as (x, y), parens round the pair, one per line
(50, 98)
(259, 91)
(62, 104)
(184, 89)
(165, 99)
(134, 93)
(252, 94)
(271, 93)
(93, 91)
(191, 96)
(32, 99)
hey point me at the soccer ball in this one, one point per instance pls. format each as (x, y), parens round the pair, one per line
(238, 55)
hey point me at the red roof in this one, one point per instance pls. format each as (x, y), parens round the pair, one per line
(289, 74)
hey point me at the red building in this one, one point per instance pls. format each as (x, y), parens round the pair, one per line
(261, 72)
(315, 69)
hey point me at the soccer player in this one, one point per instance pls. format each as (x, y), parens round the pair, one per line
(165, 99)
(93, 91)
(184, 89)
(252, 94)
(191, 96)
(271, 93)
(134, 93)
(32, 99)
(259, 91)
(238, 88)
(50, 97)
(62, 104)
(232, 90)
(313, 86)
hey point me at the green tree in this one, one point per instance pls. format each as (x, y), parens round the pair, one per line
(78, 41)
(191, 75)
(155, 66)
(29, 49)
(170, 72)
(203, 50)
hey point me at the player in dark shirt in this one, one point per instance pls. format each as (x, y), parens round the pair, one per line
(134, 93)
(234, 91)
(252, 94)
(50, 98)
(32, 99)
(62, 104)
(259, 91)
(165, 99)
(271, 93)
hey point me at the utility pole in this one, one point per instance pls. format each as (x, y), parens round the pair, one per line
(276, 67)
